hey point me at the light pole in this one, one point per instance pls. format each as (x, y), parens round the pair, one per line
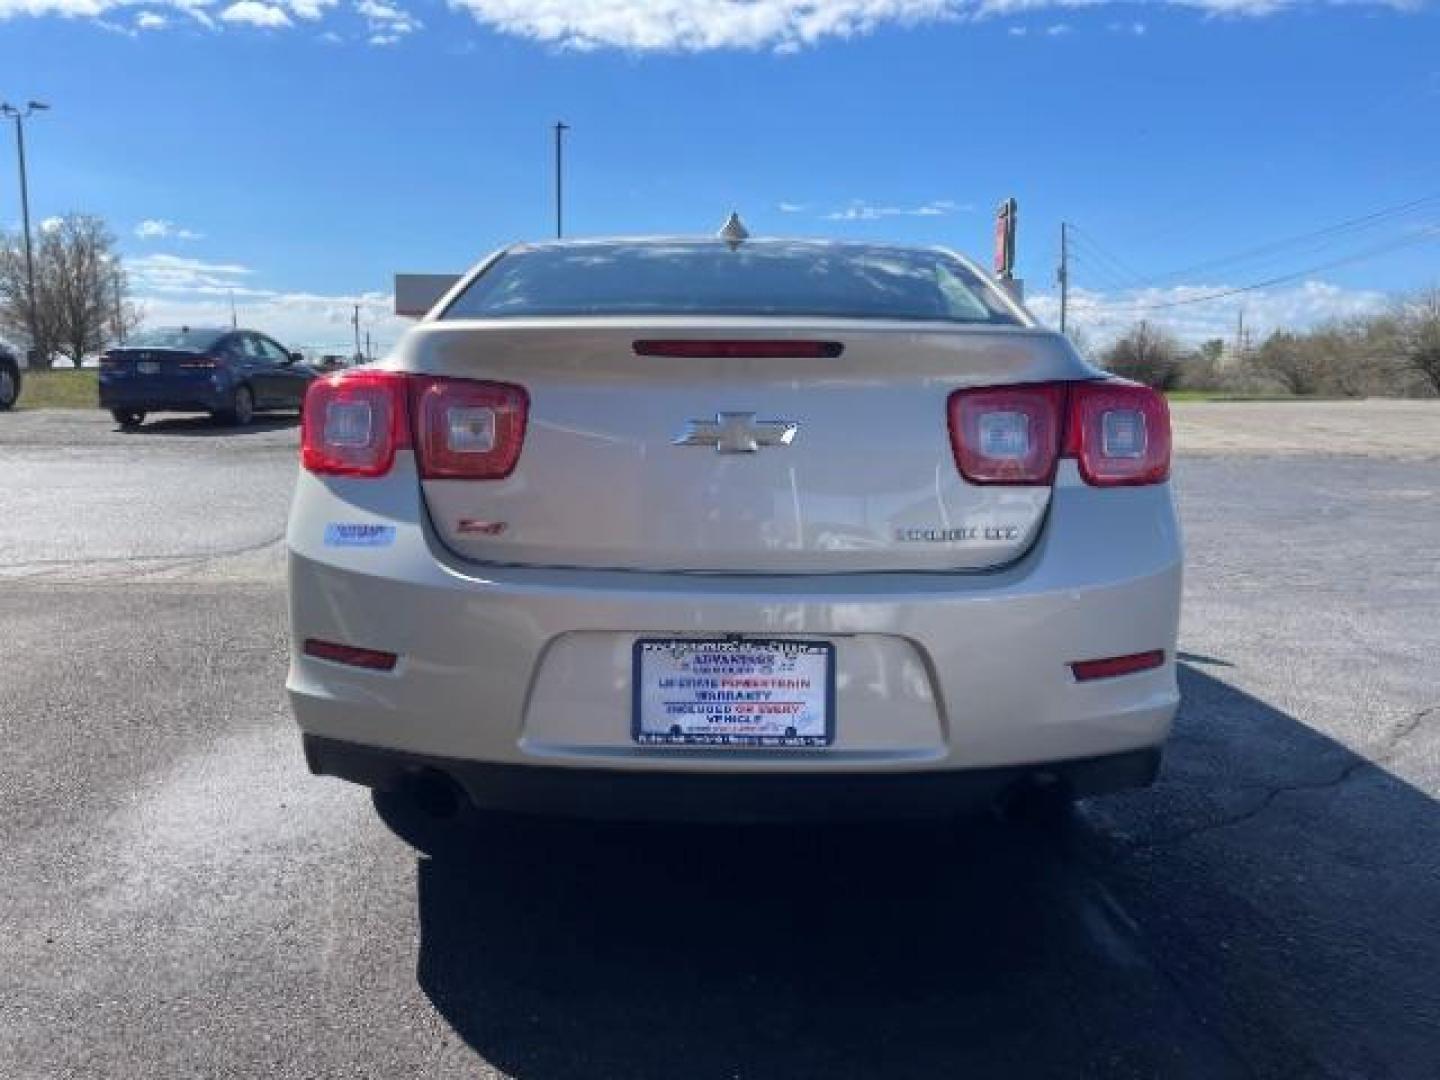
(18, 115)
(560, 128)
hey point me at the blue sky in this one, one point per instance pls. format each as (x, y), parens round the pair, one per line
(303, 151)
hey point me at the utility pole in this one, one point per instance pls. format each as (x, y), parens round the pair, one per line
(1064, 273)
(355, 321)
(19, 115)
(367, 346)
(234, 318)
(560, 128)
(1240, 336)
(119, 305)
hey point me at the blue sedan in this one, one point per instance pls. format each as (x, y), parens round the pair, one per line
(231, 374)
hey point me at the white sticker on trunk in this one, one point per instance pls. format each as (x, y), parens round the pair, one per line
(342, 534)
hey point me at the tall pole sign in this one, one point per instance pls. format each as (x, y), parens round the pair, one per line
(1005, 217)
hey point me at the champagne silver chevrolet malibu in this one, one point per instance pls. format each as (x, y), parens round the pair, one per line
(760, 529)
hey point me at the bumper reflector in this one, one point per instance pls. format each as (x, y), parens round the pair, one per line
(1110, 667)
(371, 659)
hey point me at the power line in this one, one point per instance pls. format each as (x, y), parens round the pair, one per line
(1429, 232)
(1103, 274)
(1339, 230)
(1121, 268)
(1316, 239)
(1096, 273)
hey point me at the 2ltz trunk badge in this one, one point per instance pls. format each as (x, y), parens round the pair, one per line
(737, 433)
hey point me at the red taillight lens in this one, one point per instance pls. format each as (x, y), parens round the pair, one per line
(697, 348)
(466, 430)
(354, 422)
(372, 659)
(1007, 434)
(1119, 432)
(1110, 667)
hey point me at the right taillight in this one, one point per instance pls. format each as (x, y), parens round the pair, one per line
(353, 423)
(1119, 433)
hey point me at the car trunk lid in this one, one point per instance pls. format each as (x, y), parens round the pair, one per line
(837, 459)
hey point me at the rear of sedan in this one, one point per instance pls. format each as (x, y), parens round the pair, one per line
(768, 530)
(165, 370)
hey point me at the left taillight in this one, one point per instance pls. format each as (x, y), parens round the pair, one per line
(1007, 434)
(353, 423)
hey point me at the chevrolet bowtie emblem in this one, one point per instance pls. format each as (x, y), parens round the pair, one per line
(737, 433)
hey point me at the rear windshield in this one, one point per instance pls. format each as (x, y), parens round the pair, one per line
(174, 337)
(762, 278)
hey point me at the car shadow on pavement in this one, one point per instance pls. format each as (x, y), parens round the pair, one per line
(206, 426)
(1129, 944)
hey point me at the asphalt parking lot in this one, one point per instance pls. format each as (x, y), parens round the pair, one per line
(180, 898)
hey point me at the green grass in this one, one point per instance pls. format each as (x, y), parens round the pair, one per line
(1227, 395)
(58, 389)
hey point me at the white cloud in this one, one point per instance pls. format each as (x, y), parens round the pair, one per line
(179, 274)
(160, 229)
(386, 22)
(150, 20)
(254, 13)
(50, 224)
(309, 9)
(1105, 316)
(859, 210)
(782, 25)
(790, 207)
(1057, 29)
(1018, 31)
(313, 321)
(178, 290)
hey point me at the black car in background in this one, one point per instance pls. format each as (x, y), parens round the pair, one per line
(9, 378)
(231, 374)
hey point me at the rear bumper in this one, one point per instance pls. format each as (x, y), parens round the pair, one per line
(201, 394)
(711, 797)
(936, 672)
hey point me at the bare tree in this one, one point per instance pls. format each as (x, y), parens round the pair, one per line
(35, 329)
(81, 290)
(1287, 358)
(1080, 340)
(1147, 355)
(1417, 325)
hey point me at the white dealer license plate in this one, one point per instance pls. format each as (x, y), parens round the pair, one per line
(741, 692)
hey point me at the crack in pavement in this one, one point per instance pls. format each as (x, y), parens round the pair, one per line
(1388, 748)
(47, 569)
